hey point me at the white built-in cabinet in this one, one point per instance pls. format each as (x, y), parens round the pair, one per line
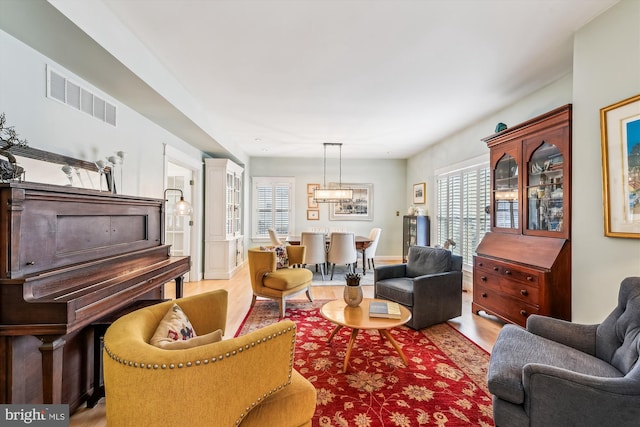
(223, 246)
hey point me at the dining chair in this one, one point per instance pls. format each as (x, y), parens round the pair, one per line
(342, 250)
(370, 251)
(316, 250)
(275, 241)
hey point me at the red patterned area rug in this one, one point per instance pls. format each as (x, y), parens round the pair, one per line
(444, 384)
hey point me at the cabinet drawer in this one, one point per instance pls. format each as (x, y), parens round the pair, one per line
(502, 304)
(525, 292)
(512, 271)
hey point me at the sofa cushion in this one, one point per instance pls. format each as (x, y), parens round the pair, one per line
(209, 338)
(174, 326)
(292, 405)
(399, 289)
(516, 347)
(427, 260)
(287, 278)
(282, 258)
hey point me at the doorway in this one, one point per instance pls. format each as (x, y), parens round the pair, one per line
(178, 227)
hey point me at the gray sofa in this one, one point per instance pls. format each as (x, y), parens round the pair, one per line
(429, 285)
(558, 373)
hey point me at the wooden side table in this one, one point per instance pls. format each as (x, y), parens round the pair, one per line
(357, 318)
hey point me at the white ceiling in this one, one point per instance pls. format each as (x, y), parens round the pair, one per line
(278, 78)
(385, 78)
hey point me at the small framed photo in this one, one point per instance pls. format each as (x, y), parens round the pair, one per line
(311, 188)
(420, 193)
(311, 203)
(313, 214)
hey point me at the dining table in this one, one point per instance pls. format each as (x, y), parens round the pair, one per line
(362, 243)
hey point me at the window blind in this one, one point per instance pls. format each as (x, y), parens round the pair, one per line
(462, 196)
(273, 202)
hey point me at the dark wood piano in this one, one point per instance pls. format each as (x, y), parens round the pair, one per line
(69, 257)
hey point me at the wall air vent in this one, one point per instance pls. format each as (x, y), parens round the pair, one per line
(66, 91)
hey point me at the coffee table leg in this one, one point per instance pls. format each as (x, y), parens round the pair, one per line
(354, 334)
(333, 334)
(395, 345)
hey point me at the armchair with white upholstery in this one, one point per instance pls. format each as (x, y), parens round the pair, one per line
(342, 250)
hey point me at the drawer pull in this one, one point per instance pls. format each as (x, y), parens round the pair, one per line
(483, 278)
(483, 295)
(524, 292)
(523, 313)
(495, 269)
(480, 264)
(31, 263)
(529, 278)
(507, 272)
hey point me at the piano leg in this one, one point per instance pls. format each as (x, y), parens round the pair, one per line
(52, 362)
(179, 286)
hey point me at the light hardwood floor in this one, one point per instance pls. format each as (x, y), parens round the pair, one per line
(483, 330)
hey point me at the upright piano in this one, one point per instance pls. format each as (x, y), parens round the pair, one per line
(70, 257)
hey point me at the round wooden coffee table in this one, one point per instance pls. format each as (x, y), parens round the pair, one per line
(357, 318)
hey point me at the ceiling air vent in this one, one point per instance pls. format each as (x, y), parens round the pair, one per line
(63, 90)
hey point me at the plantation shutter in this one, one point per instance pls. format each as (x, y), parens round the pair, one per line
(462, 197)
(273, 201)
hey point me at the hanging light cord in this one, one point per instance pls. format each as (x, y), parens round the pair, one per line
(324, 172)
(340, 168)
(339, 144)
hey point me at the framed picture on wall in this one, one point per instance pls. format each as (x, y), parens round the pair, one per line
(313, 214)
(311, 202)
(360, 208)
(311, 188)
(620, 134)
(419, 193)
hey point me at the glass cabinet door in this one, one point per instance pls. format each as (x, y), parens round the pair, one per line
(237, 212)
(545, 189)
(505, 193)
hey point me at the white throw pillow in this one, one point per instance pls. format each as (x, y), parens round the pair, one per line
(174, 326)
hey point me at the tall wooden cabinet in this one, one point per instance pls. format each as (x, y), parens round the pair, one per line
(415, 231)
(523, 266)
(223, 246)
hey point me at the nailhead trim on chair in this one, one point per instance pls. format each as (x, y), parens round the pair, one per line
(221, 357)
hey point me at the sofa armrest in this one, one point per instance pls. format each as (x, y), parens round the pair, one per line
(555, 396)
(449, 282)
(220, 381)
(389, 272)
(580, 337)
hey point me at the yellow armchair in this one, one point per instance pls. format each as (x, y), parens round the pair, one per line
(246, 381)
(278, 283)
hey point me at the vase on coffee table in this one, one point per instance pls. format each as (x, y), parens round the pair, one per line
(352, 290)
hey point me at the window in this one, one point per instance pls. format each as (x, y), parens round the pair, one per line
(463, 195)
(273, 206)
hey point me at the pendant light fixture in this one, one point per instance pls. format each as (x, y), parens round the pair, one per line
(332, 195)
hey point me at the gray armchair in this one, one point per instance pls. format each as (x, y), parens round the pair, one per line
(429, 285)
(558, 373)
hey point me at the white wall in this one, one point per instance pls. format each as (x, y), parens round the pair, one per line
(468, 144)
(606, 70)
(52, 126)
(387, 177)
